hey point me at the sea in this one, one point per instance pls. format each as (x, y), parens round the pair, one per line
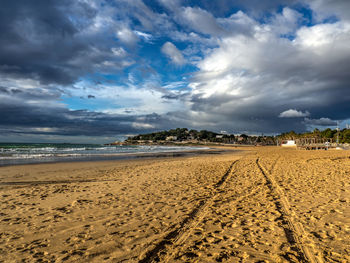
(29, 153)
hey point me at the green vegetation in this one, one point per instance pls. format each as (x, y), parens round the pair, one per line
(344, 135)
(179, 133)
(193, 136)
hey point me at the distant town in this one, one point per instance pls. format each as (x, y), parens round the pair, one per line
(185, 136)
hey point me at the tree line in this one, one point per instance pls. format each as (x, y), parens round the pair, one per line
(328, 134)
(184, 134)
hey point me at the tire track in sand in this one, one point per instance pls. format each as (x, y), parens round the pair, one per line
(166, 248)
(274, 164)
(295, 232)
(176, 246)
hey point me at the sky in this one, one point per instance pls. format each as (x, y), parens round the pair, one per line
(100, 70)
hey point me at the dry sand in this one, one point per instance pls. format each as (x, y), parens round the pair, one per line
(264, 205)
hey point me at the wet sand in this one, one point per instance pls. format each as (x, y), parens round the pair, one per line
(265, 204)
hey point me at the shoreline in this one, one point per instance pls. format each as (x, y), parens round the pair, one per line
(117, 156)
(43, 172)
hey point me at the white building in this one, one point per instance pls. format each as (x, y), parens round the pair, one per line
(171, 138)
(289, 143)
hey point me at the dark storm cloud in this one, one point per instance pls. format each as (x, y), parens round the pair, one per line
(46, 46)
(4, 90)
(37, 40)
(55, 120)
(320, 122)
(262, 114)
(41, 94)
(174, 96)
(49, 41)
(171, 97)
(229, 113)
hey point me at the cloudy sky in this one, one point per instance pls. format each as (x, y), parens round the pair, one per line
(97, 70)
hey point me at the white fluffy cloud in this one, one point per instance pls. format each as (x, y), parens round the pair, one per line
(291, 113)
(127, 36)
(286, 22)
(199, 20)
(256, 73)
(175, 55)
(325, 37)
(146, 37)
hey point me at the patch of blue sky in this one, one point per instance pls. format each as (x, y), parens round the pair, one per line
(79, 103)
(176, 85)
(345, 124)
(309, 18)
(330, 20)
(97, 104)
(217, 8)
(152, 66)
(305, 11)
(97, 78)
(290, 37)
(155, 6)
(159, 63)
(264, 18)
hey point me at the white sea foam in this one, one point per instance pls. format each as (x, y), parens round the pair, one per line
(37, 153)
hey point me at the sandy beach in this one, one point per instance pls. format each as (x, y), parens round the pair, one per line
(263, 204)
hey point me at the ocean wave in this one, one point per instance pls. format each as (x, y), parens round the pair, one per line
(37, 156)
(51, 152)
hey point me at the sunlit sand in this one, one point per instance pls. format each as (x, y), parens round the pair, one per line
(265, 204)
